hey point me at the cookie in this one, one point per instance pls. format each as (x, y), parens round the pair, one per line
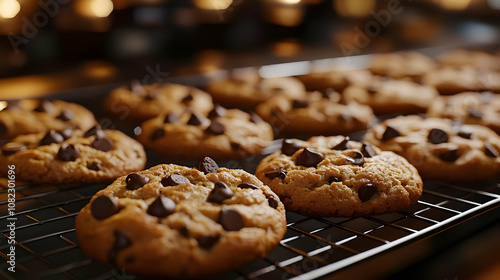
(401, 65)
(336, 79)
(317, 113)
(470, 108)
(72, 156)
(388, 96)
(246, 89)
(223, 133)
(334, 176)
(33, 116)
(471, 58)
(141, 102)
(180, 222)
(441, 149)
(452, 80)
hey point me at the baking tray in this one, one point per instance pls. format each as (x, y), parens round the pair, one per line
(333, 248)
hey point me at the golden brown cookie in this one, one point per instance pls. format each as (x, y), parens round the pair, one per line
(400, 65)
(336, 79)
(180, 222)
(441, 149)
(452, 80)
(72, 156)
(333, 176)
(471, 58)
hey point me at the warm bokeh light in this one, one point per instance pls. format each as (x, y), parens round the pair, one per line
(94, 8)
(213, 4)
(456, 5)
(9, 8)
(286, 48)
(290, 2)
(354, 8)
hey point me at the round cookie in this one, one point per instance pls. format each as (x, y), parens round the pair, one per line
(33, 116)
(387, 96)
(142, 102)
(441, 149)
(336, 79)
(333, 176)
(67, 156)
(401, 65)
(246, 89)
(475, 59)
(224, 133)
(317, 113)
(180, 222)
(470, 108)
(452, 80)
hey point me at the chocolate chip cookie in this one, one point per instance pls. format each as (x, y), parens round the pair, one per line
(452, 80)
(246, 89)
(336, 79)
(335, 176)
(32, 116)
(471, 58)
(400, 65)
(222, 133)
(180, 222)
(441, 149)
(470, 108)
(142, 102)
(317, 113)
(388, 96)
(72, 156)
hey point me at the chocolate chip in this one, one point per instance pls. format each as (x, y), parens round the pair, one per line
(160, 132)
(171, 118)
(207, 242)
(231, 219)
(66, 133)
(255, 118)
(45, 106)
(121, 242)
(390, 133)
(437, 136)
(219, 193)
(3, 128)
(299, 103)
(135, 181)
(334, 179)
(217, 111)
(68, 152)
(12, 148)
(367, 150)
(357, 158)
(248, 186)
(309, 158)
(93, 130)
(289, 147)
(189, 97)
(272, 201)
(174, 180)
(465, 134)
(103, 207)
(490, 151)
(343, 145)
(161, 207)
(475, 113)
(208, 165)
(66, 115)
(280, 173)
(184, 231)
(52, 136)
(450, 156)
(95, 166)
(366, 192)
(195, 119)
(102, 143)
(216, 128)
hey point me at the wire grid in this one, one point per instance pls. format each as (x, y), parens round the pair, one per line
(47, 246)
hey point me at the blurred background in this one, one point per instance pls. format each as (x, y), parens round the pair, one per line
(49, 45)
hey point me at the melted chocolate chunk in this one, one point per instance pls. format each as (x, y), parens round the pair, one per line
(300, 103)
(390, 133)
(289, 147)
(195, 119)
(12, 148)
(161, 207)
(68, 152)
(343, 145)
(174, 180)
(475, 113)
(465, 134)
(95, 166)
(366, 192)
(309, 158)
(207, 242)
(280, 173)
(3, 128)
(135, 181)
(216, 128)
(248, 186)
(217, 111)
(171, 118)
(450, 155)
(231, 219)
(184, 231)
(188, 98)
(219, 193)
(367, 150)
(45, 106)
(490, 151)
(66, 133)
(66, 115)
(357, 158)
(208, 165)
(121, 242)
(102, 143)
(52, 136)
(272, 201)
(104, 207)
(93, 131)
(334, 179)
(437, 136)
